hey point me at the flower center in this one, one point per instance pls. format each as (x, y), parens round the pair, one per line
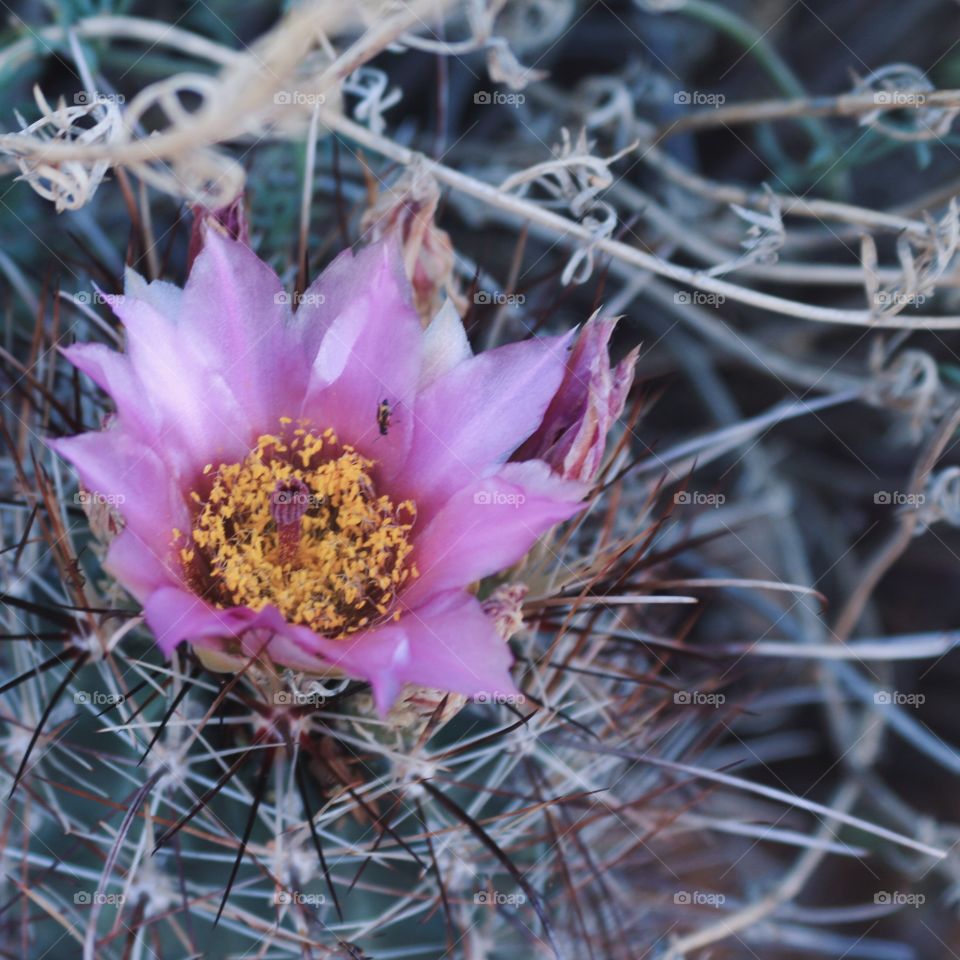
(298, 524)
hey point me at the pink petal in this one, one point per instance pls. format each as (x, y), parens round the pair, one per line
(163, 296)
(445, 344)
(175, 615)
(113, 373)
(449, 643)
(140, 567)
(339, 284)
(490, 525)
(235, 308)
(199, 416)
(573, 435)
(117, 465)
(370, 354)
(473, 417)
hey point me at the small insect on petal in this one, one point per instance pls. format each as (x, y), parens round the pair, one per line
(384, 414)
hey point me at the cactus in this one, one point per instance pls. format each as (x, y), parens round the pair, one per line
(646, 707)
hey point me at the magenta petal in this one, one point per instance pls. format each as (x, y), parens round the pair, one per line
(490, 525)
(199, 416)
(175, 615)
(109, 370)
(370, 355)
(113, 373)
(474, 416)
(573, 435)
(236, 308)
(449, 643)
(336, 288)
(133, 478)
(139, 566)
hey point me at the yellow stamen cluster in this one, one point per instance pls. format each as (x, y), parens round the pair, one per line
(351, 557)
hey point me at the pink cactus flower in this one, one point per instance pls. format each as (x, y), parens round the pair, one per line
(573, 435)
(320, 488)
